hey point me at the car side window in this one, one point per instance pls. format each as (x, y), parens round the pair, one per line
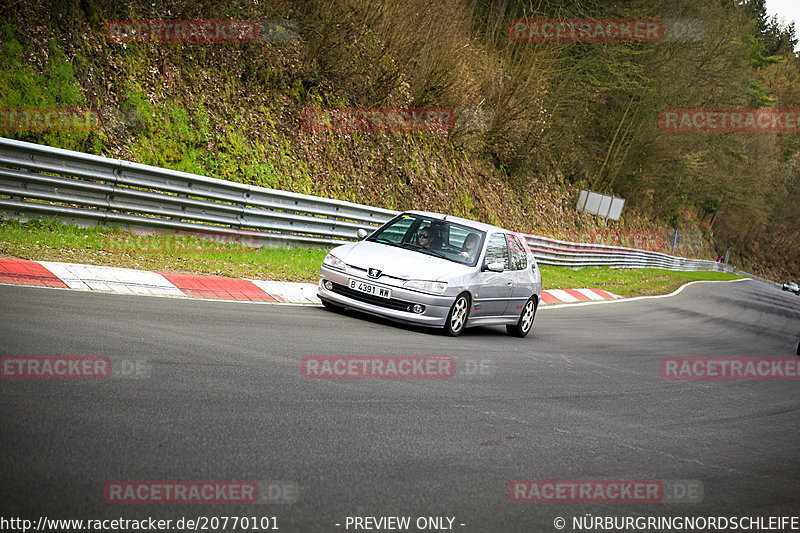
(497, 250)
(519, 258)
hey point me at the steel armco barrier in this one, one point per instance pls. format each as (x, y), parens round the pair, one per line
(571, 254)
(38, 180)
(86, 189)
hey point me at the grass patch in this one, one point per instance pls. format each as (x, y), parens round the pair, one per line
(50, 240)
(625, 281)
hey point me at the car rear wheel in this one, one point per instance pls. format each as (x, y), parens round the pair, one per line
(457, 318)
(523, 326)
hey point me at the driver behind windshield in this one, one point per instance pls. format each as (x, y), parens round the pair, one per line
(429, 238)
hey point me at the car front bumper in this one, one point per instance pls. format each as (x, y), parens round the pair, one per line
(396, 308)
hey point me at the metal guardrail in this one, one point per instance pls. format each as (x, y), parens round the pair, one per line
(38, 180)
(563, 253)
(86, 189)
(556, 252)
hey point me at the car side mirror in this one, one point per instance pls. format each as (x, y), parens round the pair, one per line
(495, 267)
(361, 233)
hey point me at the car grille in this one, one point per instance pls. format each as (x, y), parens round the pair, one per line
(389, 303)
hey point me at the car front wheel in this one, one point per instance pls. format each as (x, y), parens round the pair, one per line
(457, 318)
(523, 326)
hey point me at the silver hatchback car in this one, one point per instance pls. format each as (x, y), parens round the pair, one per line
(436, 270)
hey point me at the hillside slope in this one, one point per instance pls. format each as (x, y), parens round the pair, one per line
(560, 117)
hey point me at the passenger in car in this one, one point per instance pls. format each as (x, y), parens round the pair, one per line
(470, 247)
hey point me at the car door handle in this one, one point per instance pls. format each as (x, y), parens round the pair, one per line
(510, 283)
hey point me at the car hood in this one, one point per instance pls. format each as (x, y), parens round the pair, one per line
(398, 262)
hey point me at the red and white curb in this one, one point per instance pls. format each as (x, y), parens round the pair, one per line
(130, 281)
(555, 296)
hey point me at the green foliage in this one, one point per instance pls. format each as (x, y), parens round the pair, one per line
(12, 49)
(712, 205)
(62, 83)
(759, 95)
(565, 115)
(23, 87)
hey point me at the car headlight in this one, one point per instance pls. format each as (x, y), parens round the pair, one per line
(434, 287)
(334, 262)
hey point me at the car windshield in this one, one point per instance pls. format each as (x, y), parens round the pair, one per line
(431, 236)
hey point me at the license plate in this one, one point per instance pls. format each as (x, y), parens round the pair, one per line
(370, 289)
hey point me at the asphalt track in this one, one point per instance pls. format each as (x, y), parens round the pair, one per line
(224, 399)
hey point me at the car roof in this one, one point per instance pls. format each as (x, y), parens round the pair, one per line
(458, 220)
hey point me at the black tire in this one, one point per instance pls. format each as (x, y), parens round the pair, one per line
(525, 322)
(458, 315)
